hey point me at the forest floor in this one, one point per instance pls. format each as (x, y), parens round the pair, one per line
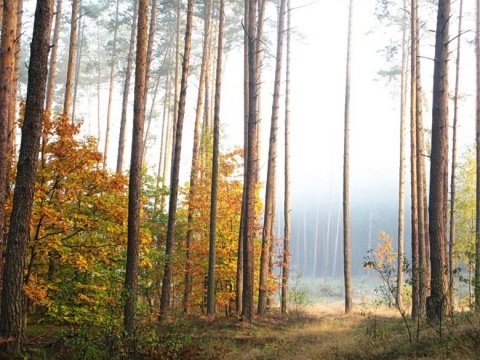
(319, 331)
(322, 331)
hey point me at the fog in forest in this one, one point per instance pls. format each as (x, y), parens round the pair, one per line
(317, 119)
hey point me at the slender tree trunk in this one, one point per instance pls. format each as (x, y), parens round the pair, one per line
(78, 55)
(176, 156)
(315, 246)
(152, 106)
(151, 39)
(113, 64)
(52, 68)
(168, 148)
(251, 168)
(346, 176)
(259, 59)
(267, 235)
(439, 168)
(135, 183)
(163, 136)
(423, 274)
(11, 324)
(126, 92)
(12, 108)
(177, 74)
(401, 176)
(216, 151)
(196, 154)
(477, 140)
(286, 205)
(413, 162)
(337, 236)
(7, 90)
(67, 104)
(326, 252)
(243, 215)
(451, 243)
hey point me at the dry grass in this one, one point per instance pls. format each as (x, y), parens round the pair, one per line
(321, 332)
(324, 332)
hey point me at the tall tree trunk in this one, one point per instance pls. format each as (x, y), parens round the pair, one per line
(151, 38)
(135, 183)
(174, 180)
(286, 205)
(451, 243)
(259, 59)
(243, 215)
(267, 235)
(126, 92)
(178, 79)
(196, 154)
(168, 148)
(12, 108)
(7, 90)
(439, 168)
(81, 27)
(150, 116)
(423, 273)
(401, 171)
(113, 64)
(67, 103)
(315, 246)
(477, 140)
(251, 168)
(335, 255)
(163, 136)
(413, 162)
(52, 68)
(216, 151)
(346, 176)
(11, 324)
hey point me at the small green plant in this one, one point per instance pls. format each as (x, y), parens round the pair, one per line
(299, 296)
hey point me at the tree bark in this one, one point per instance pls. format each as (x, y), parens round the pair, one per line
(243, 215)
(151, 39)
(174, 180)
(401, 175)
(270, 193)
(216, 151)
(67, 103)
(423, 265)
(7, 90)
(194, 171)
(251, 168)
(52, 67)
(126, 92)
(413, 162)
(451, 243)
(346, 176)
(477, 140)
(12, 108)
(135, 183)
(439, 168)
(11, 324)
(113, 60)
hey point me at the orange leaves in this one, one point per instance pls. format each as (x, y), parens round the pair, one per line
(78, 223)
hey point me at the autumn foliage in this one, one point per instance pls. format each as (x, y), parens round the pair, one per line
(76, 253)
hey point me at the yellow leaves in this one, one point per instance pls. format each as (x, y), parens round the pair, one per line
(146, 263)
(384, 255)
(36, 293)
